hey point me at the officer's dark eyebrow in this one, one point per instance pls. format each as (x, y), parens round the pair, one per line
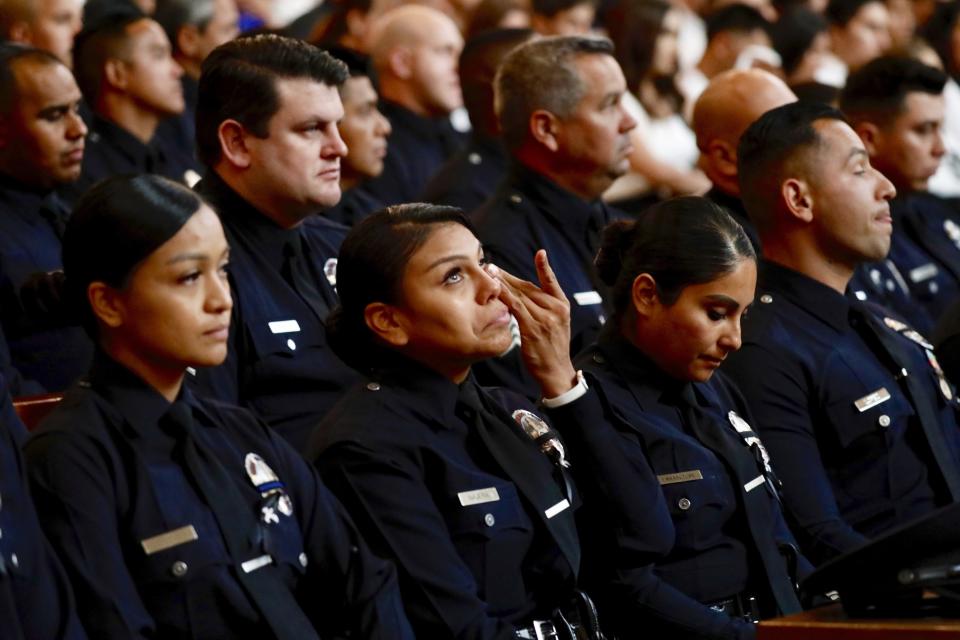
(186, 257)
(455, 258)
(719, 298)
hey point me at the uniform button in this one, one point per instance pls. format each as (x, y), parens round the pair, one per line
(303, 559)
(474, 158)
(14, 560)
(515, 199)
(766, 298)
(291, 345)
(489, 520)
(934, 287)
(598, 358)
(179, 569)
(684, 504)
(884, 420)
(373, 386)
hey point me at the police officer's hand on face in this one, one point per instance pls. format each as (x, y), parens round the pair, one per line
(543, 315)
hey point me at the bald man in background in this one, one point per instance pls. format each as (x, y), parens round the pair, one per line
(730, 104)
(48, 25)
(414, 50)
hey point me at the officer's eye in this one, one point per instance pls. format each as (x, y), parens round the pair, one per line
(716, 315)
(453, 276)
(224, 270)
(190, 277)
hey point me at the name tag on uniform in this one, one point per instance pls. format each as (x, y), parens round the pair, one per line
(586, 298)
(478, 496)
(284, 326)
(560, 507)
(681, 476)
(871, 400)
(257, 563)
(753, 484)
(169, 539)
(924, 272)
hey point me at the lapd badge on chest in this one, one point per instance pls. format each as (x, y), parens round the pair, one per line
(538, 430)
(749, 437)
(272, 491)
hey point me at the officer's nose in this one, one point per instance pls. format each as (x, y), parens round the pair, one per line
(731, 339)
(219, 299)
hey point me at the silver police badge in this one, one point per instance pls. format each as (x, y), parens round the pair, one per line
(268, 484)
(534, 426)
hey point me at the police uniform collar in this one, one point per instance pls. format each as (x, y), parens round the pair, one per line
(564, 207)
(268, 237)
(645, 378)
(433, 393)
(140, 405)
(403, 119)
(809, 295)
(12, 187)
(127, 143)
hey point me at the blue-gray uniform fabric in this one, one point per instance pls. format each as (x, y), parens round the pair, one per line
(882, 283)
(471, 176)
(35, 598)
(355, 205)
(112, 150)
(861, 427)
(926, 249)
(734, 206)
(530, 212)
(48, 356)
(418, 146)
(279, 364)
(473, 514)
(107, 475)
(679, 510)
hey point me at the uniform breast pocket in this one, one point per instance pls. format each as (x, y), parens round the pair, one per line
(492, 538)
(181, 555)
(283, 338)
(699, 509)
(863, 420)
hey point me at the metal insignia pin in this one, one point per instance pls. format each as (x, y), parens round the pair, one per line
(896, 325)
(538, 430)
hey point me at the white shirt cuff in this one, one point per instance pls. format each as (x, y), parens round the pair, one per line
(575, 393)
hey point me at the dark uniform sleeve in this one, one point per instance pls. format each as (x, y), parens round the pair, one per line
(624, 500)
(350, 589)
(394, 508)
(76, 499)
(35, 598)
(779, 397)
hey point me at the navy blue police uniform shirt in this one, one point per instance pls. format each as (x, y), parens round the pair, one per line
(926, 249)
(882, 284)
(35, 598)
(180, 131)
(473, 515)
(112, 150)
(355, 205)
(418, 146)
(279, 364)
(853, 408)
(530, 212)
(680, 510)
(471, 176)
(47, 353)
(144, 549)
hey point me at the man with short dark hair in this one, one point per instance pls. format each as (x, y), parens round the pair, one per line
(365, 131)
(194, 28)
(896, 106)
(414, 49)
(562, 17)
(267, 116)
(559, 103)
(472, 175)
(49, 25)
(859, 420)
(41, 148)
(131, 82)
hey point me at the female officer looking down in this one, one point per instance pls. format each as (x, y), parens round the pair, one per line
(440, 474)
(685, 534)
(175, 516)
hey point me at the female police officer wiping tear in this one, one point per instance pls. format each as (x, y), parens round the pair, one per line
(440, 474)
(175, 516)
(686, 532)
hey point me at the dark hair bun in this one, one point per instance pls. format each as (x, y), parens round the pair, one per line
(615, 243)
